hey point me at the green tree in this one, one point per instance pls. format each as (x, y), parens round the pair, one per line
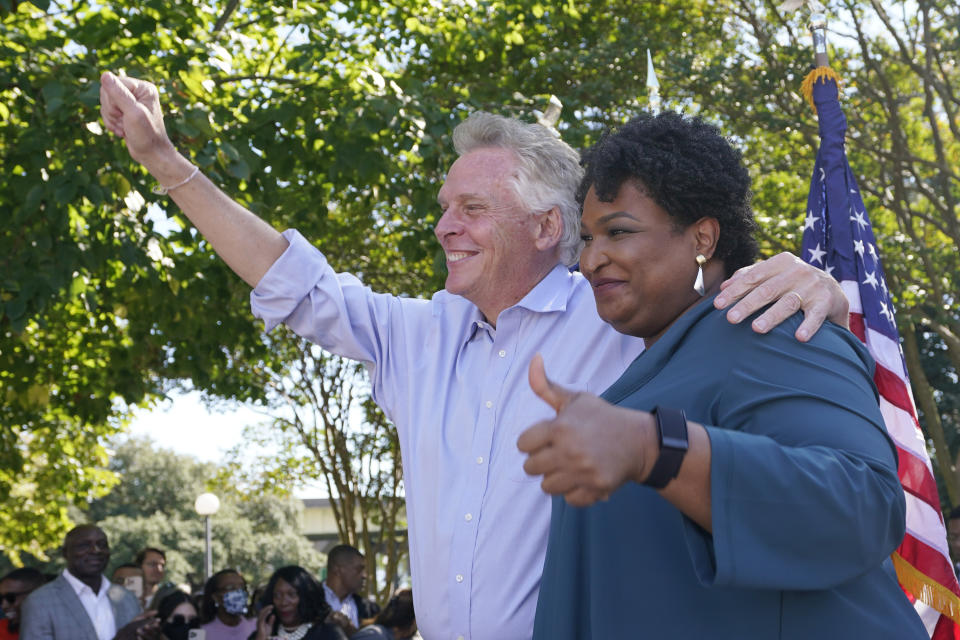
(333, 118)
(327, 427)
(152, 505)
(901, 82)
(254, 531)
(77, 250)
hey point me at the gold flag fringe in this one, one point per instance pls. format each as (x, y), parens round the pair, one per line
(926, 589)
(820, 73)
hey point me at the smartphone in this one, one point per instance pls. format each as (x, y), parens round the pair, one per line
(134, 584)
(197, 634)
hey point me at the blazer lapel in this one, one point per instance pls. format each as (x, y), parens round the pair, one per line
(74, 614)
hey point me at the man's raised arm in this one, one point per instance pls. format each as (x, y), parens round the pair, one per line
(131, 109)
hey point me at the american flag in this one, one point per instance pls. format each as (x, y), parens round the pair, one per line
(838, 238)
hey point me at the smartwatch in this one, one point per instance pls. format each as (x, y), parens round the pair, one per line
(672, 435)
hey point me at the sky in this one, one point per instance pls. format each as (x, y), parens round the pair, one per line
(186, 426)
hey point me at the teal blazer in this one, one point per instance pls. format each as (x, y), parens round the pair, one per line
(806, 504)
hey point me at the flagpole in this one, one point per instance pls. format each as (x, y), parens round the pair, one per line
(653, 86)
(818, 29)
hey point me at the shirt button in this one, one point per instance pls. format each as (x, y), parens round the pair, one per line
(460, 638)
(479, 459)
(468, 517)
(503, 354)
(459, 578)
(488, 404)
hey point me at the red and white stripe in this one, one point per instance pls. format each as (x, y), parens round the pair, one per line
(925, 544)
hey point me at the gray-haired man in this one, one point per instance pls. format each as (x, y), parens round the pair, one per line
(451, 371)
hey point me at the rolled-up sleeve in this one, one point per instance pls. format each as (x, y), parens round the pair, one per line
(288, 281)
(335, 310)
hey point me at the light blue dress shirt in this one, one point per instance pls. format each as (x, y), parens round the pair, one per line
(457, 391)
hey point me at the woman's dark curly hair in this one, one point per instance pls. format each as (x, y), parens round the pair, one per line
(313, 605)
(686, 167)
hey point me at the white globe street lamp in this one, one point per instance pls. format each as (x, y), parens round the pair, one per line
(206, 505)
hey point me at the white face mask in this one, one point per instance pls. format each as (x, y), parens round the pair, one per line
(235, 602)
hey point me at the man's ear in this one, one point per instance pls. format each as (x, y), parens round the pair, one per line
(706, 235)
(549, 229)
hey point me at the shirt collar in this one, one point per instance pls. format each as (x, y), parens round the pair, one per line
(551, 293)
(79, 586)
(333, 594)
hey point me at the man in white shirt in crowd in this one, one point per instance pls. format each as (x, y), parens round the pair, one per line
(343, 588)
(81, 604)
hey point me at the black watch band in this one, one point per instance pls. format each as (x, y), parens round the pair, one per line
(672, 434)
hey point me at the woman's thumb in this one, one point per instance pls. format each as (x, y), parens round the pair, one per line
(554, 395)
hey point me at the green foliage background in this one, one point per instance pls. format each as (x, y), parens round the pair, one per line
(333, 118)
(152, 505)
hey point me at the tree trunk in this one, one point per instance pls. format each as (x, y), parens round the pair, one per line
(923, 394)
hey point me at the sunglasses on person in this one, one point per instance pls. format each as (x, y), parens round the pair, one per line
(11, 596)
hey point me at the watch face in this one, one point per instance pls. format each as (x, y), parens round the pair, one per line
(672, 428)
(672, 435)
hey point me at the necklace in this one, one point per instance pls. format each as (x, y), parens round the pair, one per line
(293, 634)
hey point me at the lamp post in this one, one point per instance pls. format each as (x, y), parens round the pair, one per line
(206, 505)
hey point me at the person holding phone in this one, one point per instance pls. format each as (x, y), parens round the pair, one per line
(130, 577)
(179, 618)
(294, 609)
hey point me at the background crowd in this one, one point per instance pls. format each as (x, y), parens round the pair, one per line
(137, 602)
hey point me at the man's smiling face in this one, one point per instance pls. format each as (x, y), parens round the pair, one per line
(486, 234)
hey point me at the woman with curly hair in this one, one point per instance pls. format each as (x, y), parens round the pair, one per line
(728, 484)
(294, 609)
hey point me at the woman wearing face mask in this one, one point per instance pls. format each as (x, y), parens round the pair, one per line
(294, 608)
(178, 616)
(223, 607)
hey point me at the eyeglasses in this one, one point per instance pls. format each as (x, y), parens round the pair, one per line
(13, 595)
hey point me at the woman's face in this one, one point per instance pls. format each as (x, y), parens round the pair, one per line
(228, 582)
(185, 609)
(641, 268)
(285, 603)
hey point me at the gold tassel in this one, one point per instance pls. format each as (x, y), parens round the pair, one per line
(926, 589)
(806, 88)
